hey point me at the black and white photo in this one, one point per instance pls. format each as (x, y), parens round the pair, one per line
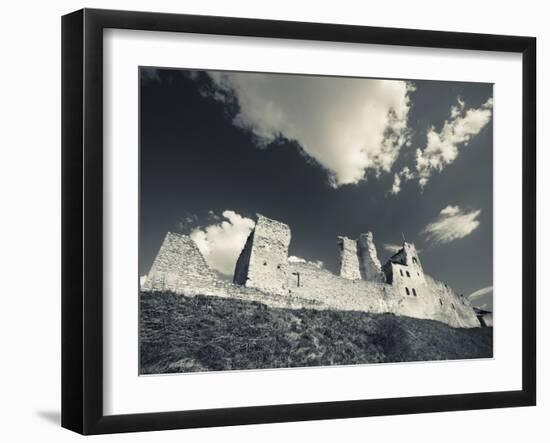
(292, 220)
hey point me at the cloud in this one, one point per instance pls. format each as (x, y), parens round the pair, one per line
(317, 263)
(404, 175)
(442, 147)
(451, 224)
(221, 243)
(483, 298)
(476, 295)
(294, 259)
(391, 247)
(349, 126)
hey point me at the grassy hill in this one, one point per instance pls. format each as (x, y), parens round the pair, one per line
(185, 334)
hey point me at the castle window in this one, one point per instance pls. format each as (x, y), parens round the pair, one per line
(415, 261)
(265, 263)
(441, 302)
(453, 306)
(407, 291)
(414, 292)
(401, 272)
(408, 275)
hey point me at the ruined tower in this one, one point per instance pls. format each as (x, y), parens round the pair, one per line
(359, 260)
(263, 262)
(369, 265)
(179, 267)
(349, 260)
(404, 271)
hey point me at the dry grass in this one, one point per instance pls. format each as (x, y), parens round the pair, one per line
(185, 334)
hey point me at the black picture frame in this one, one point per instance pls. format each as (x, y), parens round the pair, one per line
(82, 218)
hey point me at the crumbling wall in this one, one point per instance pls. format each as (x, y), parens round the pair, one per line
(179, 267)
(335, 292)
(369, 265)
(445, 305)
(264, 274)
(349, 261)
(241, 267)
(263, 261)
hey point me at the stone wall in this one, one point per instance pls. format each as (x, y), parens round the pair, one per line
(179, 267)
(263, 261)
(369, 264)
(334, 292)
(264, 274)
(241, 268)
(445, 305)
(349, 260)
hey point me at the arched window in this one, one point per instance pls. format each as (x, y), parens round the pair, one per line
(408, 275)
(401, 272)
(415, 261)
(407, 291)
(414, 292)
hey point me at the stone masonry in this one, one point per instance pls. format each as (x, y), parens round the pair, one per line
(263, 262)
(349, 260)
(369, 265)
(263, 273)
(179, 267)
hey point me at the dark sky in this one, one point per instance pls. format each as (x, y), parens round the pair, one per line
(195, 159)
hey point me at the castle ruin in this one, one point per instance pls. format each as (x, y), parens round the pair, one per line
(264, 273)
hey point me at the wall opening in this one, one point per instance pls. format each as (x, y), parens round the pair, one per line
(408, 274)
(407, 291)
(414, 292)
(297, 274)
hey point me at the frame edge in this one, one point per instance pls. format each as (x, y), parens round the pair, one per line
(72, 221)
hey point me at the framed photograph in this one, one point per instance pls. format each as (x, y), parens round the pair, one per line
(269, 221)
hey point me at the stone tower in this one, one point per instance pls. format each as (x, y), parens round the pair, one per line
(369, 265)
(179, 267)
(408, 256)
(263, 262)
(359, 260)
(349, 260)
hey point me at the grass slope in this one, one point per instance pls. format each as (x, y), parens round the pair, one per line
(185, 334)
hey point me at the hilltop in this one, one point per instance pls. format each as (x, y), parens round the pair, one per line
(201, 333)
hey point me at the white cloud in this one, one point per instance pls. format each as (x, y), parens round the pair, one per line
(294, 259)
(451, 224)
(442, 147)
(349, 126)
(404, 175)
(221, 243)
(393, 248)
(476, 295)
(483, 298)
(317, 263)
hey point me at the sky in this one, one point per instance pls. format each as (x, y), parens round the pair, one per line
(328, 156)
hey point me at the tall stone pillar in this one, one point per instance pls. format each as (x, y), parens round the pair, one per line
(369, 265)
(263, 262)
(349, 261)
